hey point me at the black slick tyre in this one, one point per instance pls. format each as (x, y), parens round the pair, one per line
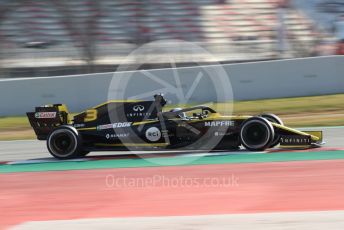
(65, 143)
(256, 134)
(275, 119)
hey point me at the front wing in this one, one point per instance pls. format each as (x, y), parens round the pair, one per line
(309, 139)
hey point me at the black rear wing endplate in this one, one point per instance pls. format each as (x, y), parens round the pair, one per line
(47, 118)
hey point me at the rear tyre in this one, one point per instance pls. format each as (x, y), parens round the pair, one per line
(65, 143)
(256, 134)
(275, 119)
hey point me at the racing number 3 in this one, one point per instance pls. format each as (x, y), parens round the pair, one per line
(91, 115)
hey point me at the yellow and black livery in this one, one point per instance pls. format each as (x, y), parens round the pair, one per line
(144, 125)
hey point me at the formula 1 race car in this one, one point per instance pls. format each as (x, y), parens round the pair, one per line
(143, 125)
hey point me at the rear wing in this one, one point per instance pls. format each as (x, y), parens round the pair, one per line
(46, 118)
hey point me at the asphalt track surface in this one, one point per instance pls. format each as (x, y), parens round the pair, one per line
(23, 150)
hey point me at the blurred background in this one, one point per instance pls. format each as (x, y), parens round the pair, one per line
(52, 38)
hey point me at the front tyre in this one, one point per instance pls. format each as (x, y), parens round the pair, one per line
(275, 119)
(64, 143)
(256, 134)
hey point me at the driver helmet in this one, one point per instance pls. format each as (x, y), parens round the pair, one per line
(180, 115)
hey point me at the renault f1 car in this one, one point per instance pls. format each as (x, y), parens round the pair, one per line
(144, 125)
